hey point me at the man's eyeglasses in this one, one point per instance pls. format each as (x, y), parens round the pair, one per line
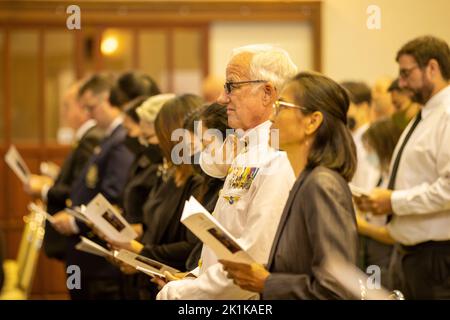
(279, 104)
(405, 73)
(230, 85)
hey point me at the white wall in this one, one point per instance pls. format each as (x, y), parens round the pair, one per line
(294, 37)
(350, 50)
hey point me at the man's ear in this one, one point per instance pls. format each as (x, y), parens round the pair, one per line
(434, 68)
(270, 94)
(315, 119)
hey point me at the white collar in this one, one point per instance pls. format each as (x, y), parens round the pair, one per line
(257, 135)
(359, 132)
(435, 101)
(85, 127)
(117, 122)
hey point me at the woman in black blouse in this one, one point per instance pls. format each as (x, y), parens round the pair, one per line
(318, 221)
(165, 238)
(139, 116)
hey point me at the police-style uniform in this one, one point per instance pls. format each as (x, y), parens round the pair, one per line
(105, 173)
(88, 137)
(249, 207)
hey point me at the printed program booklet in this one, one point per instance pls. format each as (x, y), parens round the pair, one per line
(108, 220)
(144, 264)
(197, 219)
(17, 164)
(91, 247)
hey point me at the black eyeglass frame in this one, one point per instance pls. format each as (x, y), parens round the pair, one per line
(230, 85)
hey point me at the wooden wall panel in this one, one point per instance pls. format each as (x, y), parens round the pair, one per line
(2, 186)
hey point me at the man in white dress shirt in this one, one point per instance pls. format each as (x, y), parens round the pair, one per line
(259, 179)
(419, 195)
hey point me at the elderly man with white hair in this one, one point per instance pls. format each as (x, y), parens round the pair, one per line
(259, 178)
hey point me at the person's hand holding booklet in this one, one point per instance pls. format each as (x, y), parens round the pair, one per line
(107, 221)
(197, 219)
(148, 266)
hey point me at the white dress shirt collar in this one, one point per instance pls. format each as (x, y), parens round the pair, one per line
(357, 134)
(435, 101)
(85, 127)
(117, 122)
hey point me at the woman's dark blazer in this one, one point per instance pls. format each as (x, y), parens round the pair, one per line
(318, 220)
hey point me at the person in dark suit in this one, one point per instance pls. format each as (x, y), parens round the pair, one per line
(87, 137)
(318, 220)
(106, 173)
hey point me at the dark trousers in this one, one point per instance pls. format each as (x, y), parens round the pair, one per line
(97, 289)
(422, 271)
(130, 286)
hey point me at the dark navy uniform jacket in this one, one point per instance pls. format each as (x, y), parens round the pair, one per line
(105, 173)
(57, 195)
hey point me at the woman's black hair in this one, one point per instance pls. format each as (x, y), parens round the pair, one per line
(130, 108)
(131, 85)
(333, 146)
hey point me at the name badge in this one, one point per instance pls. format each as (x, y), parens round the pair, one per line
(92, 176)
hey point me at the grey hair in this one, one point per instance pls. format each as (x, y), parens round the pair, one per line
(149, 109)
(269, 63)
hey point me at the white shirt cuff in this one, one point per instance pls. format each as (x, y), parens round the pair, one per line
(399, 202)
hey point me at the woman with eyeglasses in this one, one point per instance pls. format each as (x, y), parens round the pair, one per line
(318, 221)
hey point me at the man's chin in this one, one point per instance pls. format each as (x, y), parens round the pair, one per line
(232, 123)
(419, 98)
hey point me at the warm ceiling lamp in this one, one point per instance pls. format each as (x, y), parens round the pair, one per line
(109, 45)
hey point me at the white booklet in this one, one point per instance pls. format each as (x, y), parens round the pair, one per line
(78, 213)
(91, 247)
(357, 191)
(17, 164)
(144, 264)
(197, 219)
(108, 220)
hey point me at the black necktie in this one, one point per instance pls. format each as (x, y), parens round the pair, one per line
(393, 176)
